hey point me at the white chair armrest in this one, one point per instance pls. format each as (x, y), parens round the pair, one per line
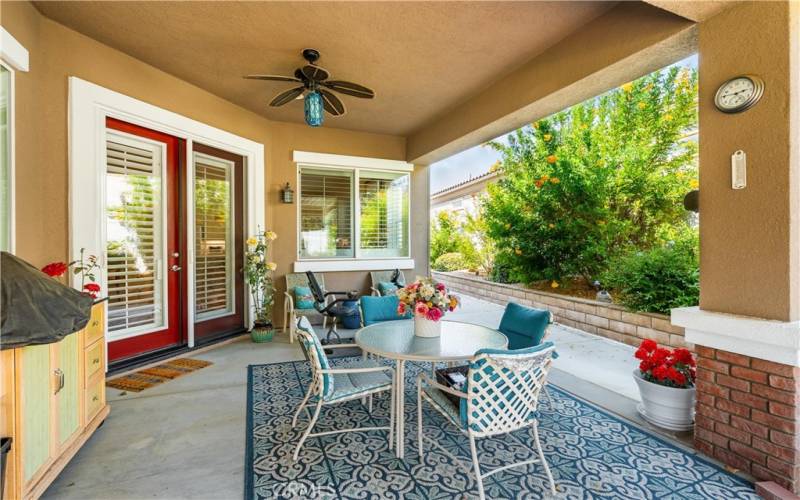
(358, 370)
(423, 377)
(290, 300)
(375, 292)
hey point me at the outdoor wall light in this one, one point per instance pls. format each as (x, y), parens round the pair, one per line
(314, 108)
(287, 194)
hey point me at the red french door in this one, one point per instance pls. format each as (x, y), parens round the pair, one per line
(145, 244)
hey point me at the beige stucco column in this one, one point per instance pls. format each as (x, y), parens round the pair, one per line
(747, 328)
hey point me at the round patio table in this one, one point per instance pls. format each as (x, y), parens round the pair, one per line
(396, 340)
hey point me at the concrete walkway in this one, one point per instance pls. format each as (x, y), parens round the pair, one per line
(185, 438)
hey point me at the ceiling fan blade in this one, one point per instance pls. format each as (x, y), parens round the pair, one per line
(332, 104)
(287, 96)
(315, 73)
(350, 88)
(274, 78)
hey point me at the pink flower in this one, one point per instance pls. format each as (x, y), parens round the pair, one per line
(434, 314)
(421, 309)
(440, 287)
(401, 309)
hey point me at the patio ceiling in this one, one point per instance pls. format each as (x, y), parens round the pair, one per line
(422, 58)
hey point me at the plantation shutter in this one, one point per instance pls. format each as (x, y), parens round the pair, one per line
(133, 233)
(326, 206)
(213, 236)
(383, 201)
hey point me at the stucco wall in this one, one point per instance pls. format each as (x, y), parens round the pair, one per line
(749, 255)
(57, 52)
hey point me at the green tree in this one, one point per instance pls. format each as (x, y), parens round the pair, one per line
(448, 235)
(587, 184)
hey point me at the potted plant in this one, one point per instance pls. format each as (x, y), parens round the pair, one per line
(666, 384)
(258, 271)
(428, 301)
(85, 266)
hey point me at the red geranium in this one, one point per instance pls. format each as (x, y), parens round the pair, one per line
(672, 368)
(55, 269)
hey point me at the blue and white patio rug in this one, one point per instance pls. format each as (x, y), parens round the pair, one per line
(591, 453)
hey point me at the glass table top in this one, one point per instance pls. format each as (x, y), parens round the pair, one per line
(459, 341)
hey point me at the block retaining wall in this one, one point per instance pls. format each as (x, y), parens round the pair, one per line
(598, 318)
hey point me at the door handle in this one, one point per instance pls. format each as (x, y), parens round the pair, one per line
(175, 268)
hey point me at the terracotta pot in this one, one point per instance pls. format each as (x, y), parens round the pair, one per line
(424, 327)
(668, 407)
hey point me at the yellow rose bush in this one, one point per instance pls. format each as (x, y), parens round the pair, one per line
(258, 271)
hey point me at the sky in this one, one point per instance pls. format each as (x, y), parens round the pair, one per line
(477, 160)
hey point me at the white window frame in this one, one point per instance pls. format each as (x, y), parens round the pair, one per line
(356, 164)
(13, 57)
(89, 106)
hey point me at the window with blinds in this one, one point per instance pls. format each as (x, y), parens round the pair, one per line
(383, 202)
(326, 213)
(214, 243)
(328, 226)
(134, 234)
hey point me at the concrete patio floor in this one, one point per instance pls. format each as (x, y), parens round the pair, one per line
(185, 438)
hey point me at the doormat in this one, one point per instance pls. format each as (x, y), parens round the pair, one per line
(155, 375)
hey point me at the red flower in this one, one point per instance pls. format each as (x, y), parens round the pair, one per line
(641, 353)
(648, 345)
(55, 269)
(440, 287)
(92, 289)
(660, 372)
(645, 365)
(684, 357)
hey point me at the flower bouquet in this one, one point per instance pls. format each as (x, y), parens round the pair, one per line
(428, 301)
(85, 266)
(666, 384)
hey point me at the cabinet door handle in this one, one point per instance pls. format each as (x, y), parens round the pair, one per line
(94, 398)
(60, 374)
(95, 322)
(96, 361)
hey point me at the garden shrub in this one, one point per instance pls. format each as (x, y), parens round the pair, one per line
(452, 261)
(581, 187)
(659, 279)
(449, 234)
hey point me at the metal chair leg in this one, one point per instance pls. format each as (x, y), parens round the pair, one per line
(308, 430)
(391, 413)
(302, 405)
(477, 466)
(541, 457)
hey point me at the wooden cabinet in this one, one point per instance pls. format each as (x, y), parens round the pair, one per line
(58, 402)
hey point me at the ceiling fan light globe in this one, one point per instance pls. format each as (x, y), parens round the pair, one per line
(314, 111)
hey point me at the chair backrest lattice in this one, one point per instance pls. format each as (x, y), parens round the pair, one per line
(387, 277)
(316, 355)
(503, 388)
(301, 279)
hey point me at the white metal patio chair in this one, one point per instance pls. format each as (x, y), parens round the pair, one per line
(291, 313)
(502, 395)
(356, 380)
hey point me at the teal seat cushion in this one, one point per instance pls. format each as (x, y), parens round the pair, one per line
(303, 298)
(387, 288)
(377, 309)
(457, 414)
(524, 326)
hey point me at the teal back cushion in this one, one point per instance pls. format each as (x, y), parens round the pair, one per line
(377, 309)
(303, 299)
(524, 326)
(327, 378)
(387, 288)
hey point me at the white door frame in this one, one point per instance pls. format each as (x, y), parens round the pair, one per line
(89, 106)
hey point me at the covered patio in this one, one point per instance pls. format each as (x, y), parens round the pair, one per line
(132, 136)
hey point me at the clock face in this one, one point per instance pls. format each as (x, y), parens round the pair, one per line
(738, 94)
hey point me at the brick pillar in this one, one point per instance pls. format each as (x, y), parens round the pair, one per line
(747, 415)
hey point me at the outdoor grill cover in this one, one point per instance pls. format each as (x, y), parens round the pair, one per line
(37, 309)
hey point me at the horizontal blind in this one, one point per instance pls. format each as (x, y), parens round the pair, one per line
(383, 201)
(213, 237)
(326, 213)
(133, 225)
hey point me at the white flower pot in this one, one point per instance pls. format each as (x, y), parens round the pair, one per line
(423, 327)
(668, 407)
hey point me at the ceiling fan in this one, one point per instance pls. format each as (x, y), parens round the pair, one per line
(316, 86)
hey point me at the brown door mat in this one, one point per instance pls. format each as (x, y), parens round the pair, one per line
(155, 375)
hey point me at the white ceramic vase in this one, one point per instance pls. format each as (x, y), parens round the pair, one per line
(424, 327)
(668, 407)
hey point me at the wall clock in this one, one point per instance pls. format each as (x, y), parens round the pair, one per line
(739, 93)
